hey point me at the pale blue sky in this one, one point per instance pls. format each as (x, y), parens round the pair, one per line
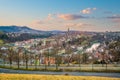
(84, 15)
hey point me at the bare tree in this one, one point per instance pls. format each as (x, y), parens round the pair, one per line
(10, 55)
(18, 56)
(26, 58)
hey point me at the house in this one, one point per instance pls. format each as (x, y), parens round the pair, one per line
(50, 60)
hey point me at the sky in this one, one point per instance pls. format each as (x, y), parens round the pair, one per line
(82, 15)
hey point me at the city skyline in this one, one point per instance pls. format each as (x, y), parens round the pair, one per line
(82, 15)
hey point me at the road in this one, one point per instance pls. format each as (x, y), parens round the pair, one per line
(60, 73)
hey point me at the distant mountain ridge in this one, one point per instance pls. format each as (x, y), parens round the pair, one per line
(19, 29)
(25, 29)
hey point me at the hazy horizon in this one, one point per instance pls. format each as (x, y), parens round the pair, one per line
(61, 30)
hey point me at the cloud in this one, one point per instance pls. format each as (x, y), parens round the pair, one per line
(47, 20)
(108, 12)
(88, 10)
(117, 20)
(94, 8)
(50, 16)
(70, 16)
(70, 24)
(114, 17)
(78, 24)
(38, 22)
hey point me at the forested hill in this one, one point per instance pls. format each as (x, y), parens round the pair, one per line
(13, 37)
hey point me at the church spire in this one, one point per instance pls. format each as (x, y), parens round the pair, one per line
(68, 30)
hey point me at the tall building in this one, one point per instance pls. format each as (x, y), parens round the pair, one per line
(67, 33)
(68, 30)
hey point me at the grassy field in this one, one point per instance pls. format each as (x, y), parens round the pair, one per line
(51, 77)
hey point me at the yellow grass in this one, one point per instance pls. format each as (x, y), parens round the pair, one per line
(50, 77)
